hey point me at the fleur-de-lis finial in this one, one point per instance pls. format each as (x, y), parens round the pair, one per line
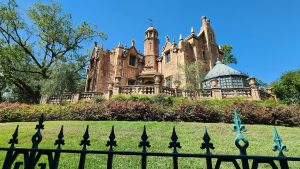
(111, 142)
(40, 125)
(278, 144)
(37, 137)
(14, 140)
(207, 145)
(174, 144)
(144, 143)
(239, 128)
(85, 141)
(60, 138)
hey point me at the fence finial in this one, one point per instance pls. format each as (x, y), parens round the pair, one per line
(37, 137)
(278, 144)
(14, 140)
(85, 141)
(239, 128)
(174, 144)
(144, 143)
(206, 144)
(60, 138)
(111, 142)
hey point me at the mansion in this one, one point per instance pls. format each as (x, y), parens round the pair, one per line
(125, 70)
(127, 66)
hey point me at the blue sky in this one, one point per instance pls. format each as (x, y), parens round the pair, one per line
(265, 34)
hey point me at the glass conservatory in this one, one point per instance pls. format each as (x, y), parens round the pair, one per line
(226, 77)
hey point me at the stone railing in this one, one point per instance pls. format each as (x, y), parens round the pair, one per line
(193, 94)
(69, 97)
(136, 89)
(89, 95)
(168, 91)
(251, 93)
(239, 92)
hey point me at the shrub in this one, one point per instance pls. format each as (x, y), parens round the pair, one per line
(163, 99)
(157, 108)
(98, 99)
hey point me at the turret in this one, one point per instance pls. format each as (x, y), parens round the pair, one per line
(151, 44)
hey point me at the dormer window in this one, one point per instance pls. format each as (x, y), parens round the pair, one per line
(132, 60)
(167, 57)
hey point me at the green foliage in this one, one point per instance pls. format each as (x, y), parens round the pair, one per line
(194, 75)
(228, 57)
(31, 48)
(287, 88)
(62, 80)
(163, 99)
(159, 109)
(98, 99)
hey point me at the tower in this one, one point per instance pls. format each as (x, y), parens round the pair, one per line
(151, 44)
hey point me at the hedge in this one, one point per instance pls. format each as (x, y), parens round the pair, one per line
(212, 111)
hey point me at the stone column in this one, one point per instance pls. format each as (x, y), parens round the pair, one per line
(43, 100)
(76, 97)
(157, 84)
(109, 92)
(254, 88)
(177, 85)
(216, 91)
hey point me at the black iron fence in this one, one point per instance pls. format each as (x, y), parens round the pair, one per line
(33, 155)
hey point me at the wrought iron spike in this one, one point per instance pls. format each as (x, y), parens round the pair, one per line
(206, 144)
(85, 141)
(174, 144)
(37, 137)
(111, 142)
(239, 128)
(14, 140)
(40, 124)
(278, 143)
(60, 138)
(144, 143)
(238, 122)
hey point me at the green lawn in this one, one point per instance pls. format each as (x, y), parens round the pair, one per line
(128, 136)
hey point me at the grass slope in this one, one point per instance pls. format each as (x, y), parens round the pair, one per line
(128, 136)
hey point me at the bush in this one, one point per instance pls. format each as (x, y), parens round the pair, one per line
(98, 99)
(157, 108)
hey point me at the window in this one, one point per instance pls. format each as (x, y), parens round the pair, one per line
(203, 55)
(167, 56)
(169, 81)
(131, 82)
(132, 60)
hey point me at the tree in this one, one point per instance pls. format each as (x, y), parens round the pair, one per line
(31, 48)
(194, 75)
(287, 88)
(228, 57)
(62, 80)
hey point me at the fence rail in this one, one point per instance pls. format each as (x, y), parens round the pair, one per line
(32, 155)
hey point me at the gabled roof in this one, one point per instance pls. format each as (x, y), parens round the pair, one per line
(221, 69)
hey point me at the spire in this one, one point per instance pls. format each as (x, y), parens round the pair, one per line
(95, 44)
(192, 30)
(180, 37)
(101, 46)
(167, 38)
(132, 42)
(119, 45)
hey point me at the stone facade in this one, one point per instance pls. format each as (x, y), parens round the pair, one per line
(127, 66)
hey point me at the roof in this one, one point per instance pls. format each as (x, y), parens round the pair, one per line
(221, 69)
(151, 28)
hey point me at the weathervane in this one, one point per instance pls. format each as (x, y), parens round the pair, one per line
(150, 22)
